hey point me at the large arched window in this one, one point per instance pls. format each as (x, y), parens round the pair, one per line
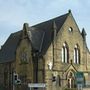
(65, 53)
(76, 55)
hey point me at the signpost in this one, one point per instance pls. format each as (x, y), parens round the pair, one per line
(37, 85)
(79, 86)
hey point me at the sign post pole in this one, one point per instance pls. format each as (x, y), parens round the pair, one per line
(79, 86)
(30, 88)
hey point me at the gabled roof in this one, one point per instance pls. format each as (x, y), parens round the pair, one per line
(40, 36)
(46, 28)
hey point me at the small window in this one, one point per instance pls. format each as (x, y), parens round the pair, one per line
(23, 57)
(70, 29)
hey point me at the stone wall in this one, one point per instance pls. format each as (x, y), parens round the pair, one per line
(72, 38)
(24, 63)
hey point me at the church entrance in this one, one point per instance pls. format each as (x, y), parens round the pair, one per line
(70, 79)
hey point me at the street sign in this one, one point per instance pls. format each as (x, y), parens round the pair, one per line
(36, 85)
(79, 78)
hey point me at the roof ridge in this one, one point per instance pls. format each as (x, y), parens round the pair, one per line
(50, 19)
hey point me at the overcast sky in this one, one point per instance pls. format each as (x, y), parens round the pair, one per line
(13, 13)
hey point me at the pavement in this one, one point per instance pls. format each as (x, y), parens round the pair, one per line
(86, 88)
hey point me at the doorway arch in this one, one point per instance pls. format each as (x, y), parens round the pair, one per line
(71, 79)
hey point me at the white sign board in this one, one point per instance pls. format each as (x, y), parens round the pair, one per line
(80, 79)
(37, 85)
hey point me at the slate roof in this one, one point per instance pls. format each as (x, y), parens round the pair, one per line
(47, 29)
(7, 52)
(40, 36)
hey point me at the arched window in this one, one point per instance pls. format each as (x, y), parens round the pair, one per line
(76, 55)
(65, 53)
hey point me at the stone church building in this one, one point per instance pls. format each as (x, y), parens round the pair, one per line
(52, 52)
